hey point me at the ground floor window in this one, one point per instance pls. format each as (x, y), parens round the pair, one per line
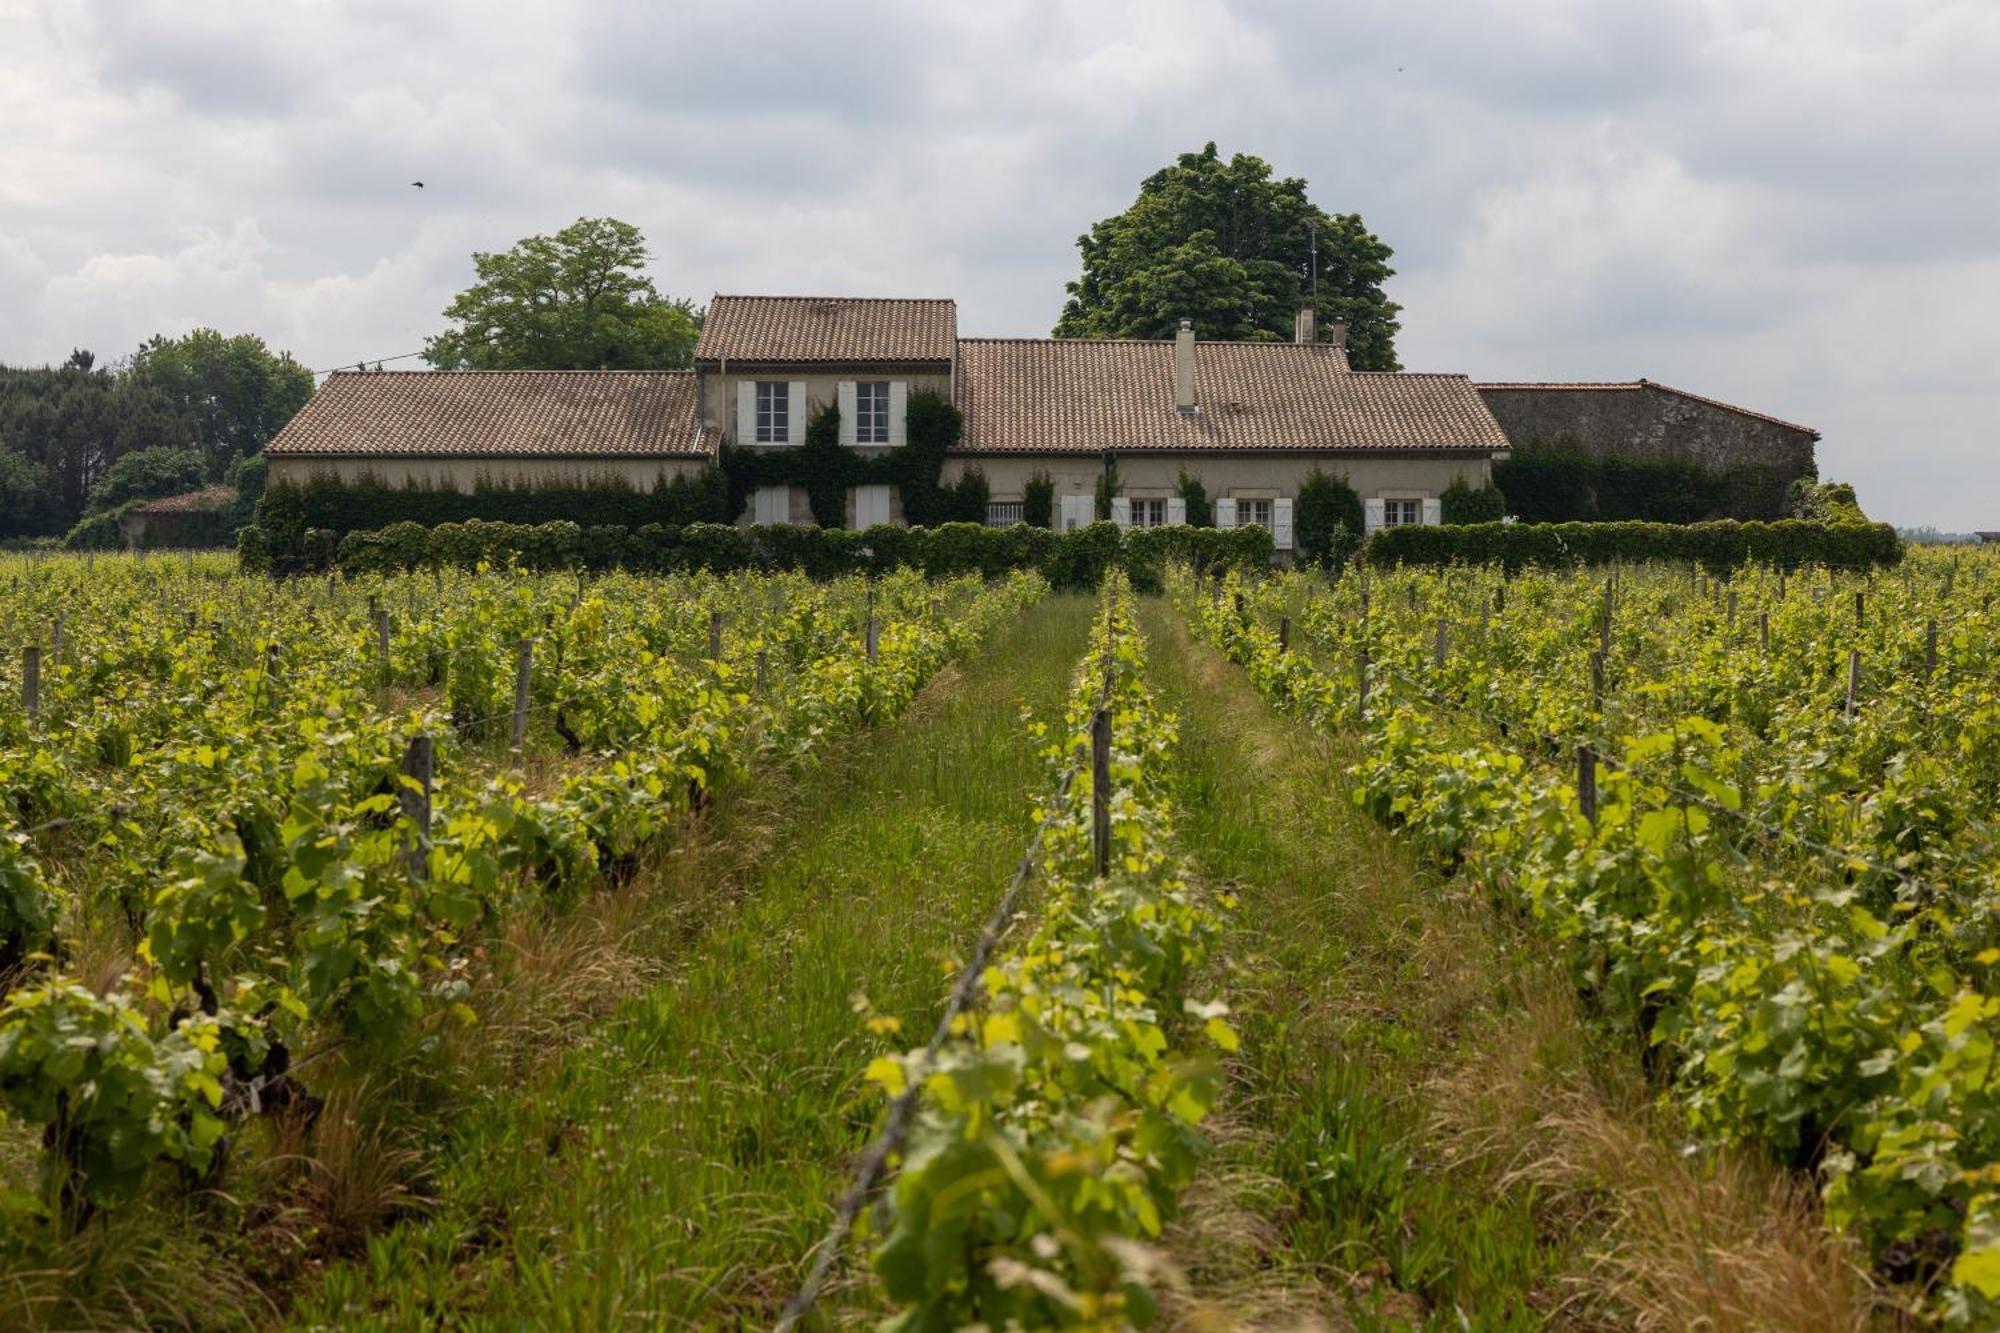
(1149, 512)
(1402, 513)
(1004, 513)
(871, 506)
(1253, 511)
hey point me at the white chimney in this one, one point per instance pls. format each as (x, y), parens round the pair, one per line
(1337, 334)
(1303, 330)
(1184, 369)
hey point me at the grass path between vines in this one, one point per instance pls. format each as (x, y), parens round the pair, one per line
(1419, 1132)
(674, 1164)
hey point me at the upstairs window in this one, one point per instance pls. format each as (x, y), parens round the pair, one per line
(1402, 513)
(774, 412)
(871, 412)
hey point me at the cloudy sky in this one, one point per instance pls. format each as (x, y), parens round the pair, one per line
(1793, 204)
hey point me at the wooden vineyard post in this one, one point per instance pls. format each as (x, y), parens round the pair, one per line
(382, 637)
(55, 642)
(1440, 645)
(1242, 608)
(1284, 634)
(1860, 607)
(1764, 632)
(1604, 624)
(1597, 682)
(31, 682)
(1361, 682)
(715, 636)
(1930, 646)
(1499, 599)
(872, 638)
(1732, 608)
(415, 797)
(1100, 791)
(524, 660)
(1586, 783)
(763, 667)
(1853, 678)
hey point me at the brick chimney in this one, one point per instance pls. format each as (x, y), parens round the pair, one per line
(1184, 369)
(1303, 328)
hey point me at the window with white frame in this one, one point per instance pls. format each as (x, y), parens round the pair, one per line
(1402, 513)
(871, 412)
(1004, 513)
(774, 412)
(1149, 512)
(1253, 511)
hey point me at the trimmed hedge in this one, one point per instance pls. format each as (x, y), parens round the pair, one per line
(1718, 545)
(1070, 559)
(367, 503)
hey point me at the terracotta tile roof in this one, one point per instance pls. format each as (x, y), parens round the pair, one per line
(1042, 395)
(1633, 386)
(190, 502)
(497, 414)
(827, 328)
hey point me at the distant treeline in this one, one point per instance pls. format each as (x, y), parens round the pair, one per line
(83, 439)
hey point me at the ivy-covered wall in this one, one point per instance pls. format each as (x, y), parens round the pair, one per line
(1562, 482)
(826, 469)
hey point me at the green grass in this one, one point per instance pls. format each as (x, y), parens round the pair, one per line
(1354, 980)
(677, 1164)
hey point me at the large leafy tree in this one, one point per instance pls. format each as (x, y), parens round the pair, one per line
(1224, 244)
(232, 394)
(577, 300)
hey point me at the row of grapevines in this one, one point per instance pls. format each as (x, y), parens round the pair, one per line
(260, 861)
(1060, 1119)
(1819, 1005)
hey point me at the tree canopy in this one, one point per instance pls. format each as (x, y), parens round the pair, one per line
(1224, 244)
(195, 405)
(577, 300)
(231, 394)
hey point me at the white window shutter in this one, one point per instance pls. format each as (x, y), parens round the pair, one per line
(1281, 524)
(1076, 511)
(844, 400)
(1176, 509)
(772, 504)
(746, 411)
(1225, 512)
(1433, 513)
(899, 410)
(871, 506)
(1121, 510)
(795, 419)
(1371, 514)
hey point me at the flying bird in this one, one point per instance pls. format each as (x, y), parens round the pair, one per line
(418, 184)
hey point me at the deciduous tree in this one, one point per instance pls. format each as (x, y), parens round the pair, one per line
(577, 300)
(1224, 244)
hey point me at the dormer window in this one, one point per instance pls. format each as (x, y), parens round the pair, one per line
(774, 412)
(871, 412)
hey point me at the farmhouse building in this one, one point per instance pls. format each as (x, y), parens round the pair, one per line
(1249, 421)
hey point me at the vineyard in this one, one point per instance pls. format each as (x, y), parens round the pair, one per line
(930, 974)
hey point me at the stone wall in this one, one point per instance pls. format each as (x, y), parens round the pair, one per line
(1649, 421)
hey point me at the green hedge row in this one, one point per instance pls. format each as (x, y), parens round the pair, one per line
(1719, 545)
(341, 507)
(1070, 560)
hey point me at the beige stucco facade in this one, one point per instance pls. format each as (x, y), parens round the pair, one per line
(465, 474)
(718, 391)
(1373, 476)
